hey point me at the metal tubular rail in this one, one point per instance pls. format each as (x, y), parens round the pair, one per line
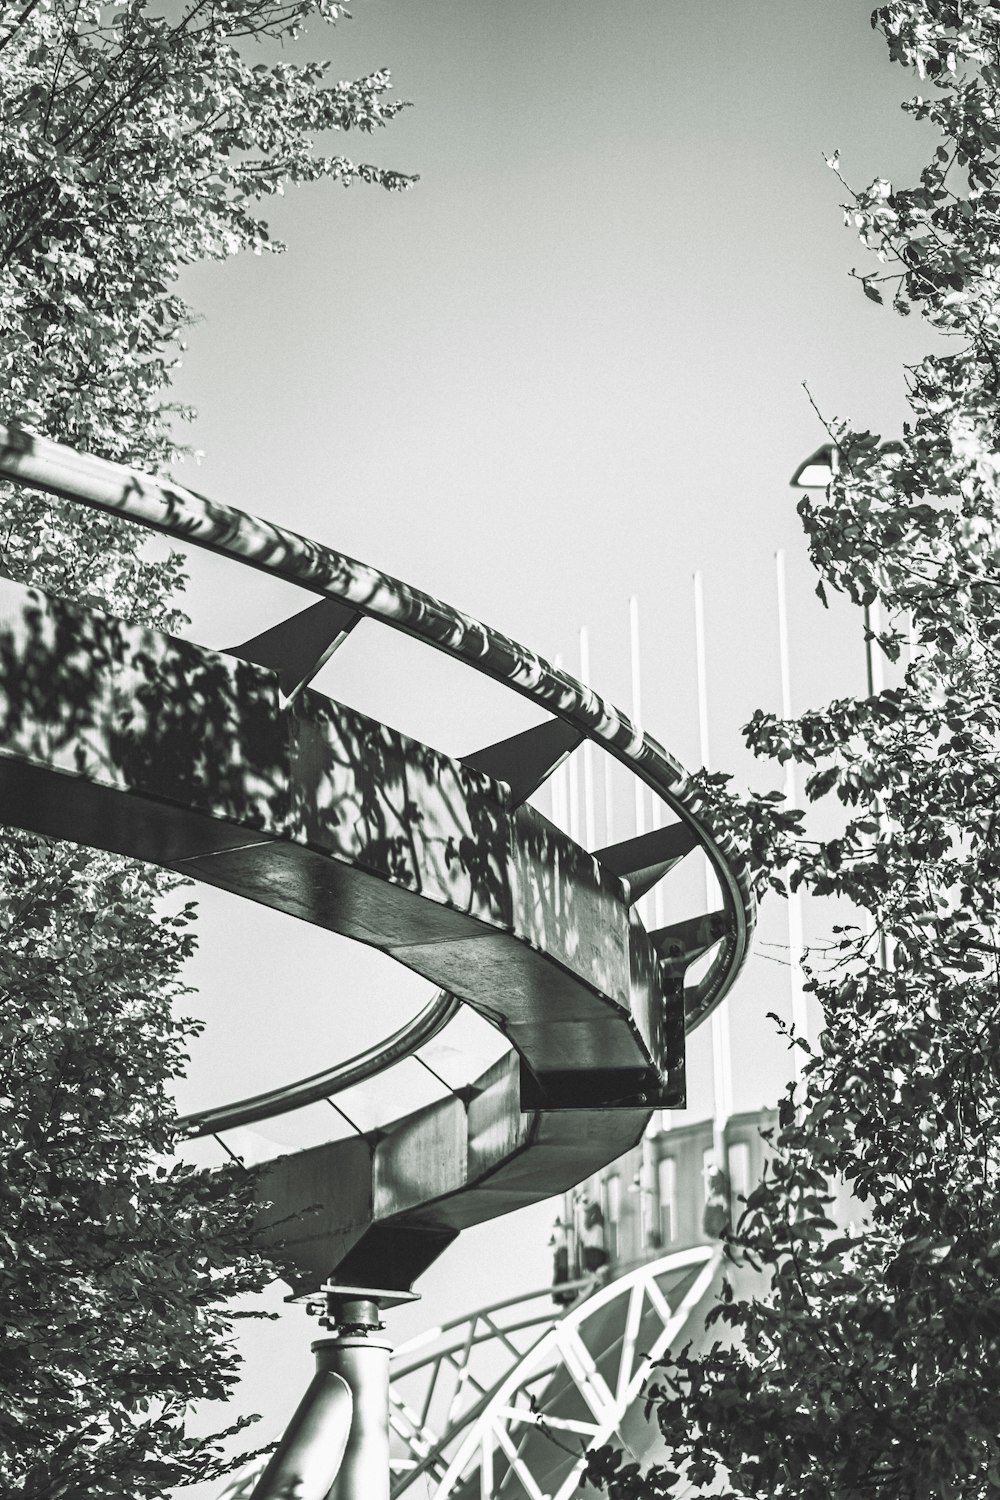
(536, 934)
(422, 1028)
(188, 517)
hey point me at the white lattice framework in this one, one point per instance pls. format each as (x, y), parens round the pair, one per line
(557, 1387)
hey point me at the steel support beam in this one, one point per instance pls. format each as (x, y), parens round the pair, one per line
(308, 1458)
(299, 647)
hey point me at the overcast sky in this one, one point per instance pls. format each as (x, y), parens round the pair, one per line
(565, 368)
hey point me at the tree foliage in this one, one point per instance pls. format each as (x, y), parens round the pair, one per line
(135, 139)
(868, 1366)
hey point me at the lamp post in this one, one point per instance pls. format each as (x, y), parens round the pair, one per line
(815, 473)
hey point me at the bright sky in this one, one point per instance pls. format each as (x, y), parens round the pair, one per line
(564, 369)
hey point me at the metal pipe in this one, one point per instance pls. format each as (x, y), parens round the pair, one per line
(306, 1461)
(424, 1026)
(362, 1362)
(799, 1013)
(587, 751)
(649, 1190)
(722, 1076)
(633, 621)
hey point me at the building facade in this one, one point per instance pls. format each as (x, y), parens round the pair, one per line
(666, 1194)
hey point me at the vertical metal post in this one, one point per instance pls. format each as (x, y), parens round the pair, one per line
(659, 907)
(649, 1190)
(633, 617)
(558, 780)
(869, 664)
(609, 818)
(799, 1013)
(587, 751)
(639, 785)
(571, 790)
(875, 682)
(355, 1355)
(722, 1076)
(574, 799)
(362, 1361)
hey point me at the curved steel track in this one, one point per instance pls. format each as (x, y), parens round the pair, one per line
(121, 738)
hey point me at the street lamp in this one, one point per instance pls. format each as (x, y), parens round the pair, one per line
(815, 473)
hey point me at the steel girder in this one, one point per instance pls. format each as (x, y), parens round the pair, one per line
(235, 773)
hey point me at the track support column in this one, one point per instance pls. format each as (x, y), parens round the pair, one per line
(306, 1461)
(354, 1353)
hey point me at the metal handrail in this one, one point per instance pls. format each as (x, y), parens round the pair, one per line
(358, 1069)
(163, 506)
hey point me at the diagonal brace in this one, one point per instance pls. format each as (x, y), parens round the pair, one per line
(297, 648)
(526, 760)
(644, 859)
(683, 942)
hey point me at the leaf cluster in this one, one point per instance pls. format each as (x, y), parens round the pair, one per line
(136, 139)
(864, 1365)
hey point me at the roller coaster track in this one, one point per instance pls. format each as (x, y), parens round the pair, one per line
(227, 767)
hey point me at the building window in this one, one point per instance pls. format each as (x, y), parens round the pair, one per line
(613, 1187)
(739, 1175)
(667, 1169)
(707, 1171)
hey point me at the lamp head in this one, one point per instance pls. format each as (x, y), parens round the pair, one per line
(816, 472)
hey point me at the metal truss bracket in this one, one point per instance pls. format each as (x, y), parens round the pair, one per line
(528, 759)
(644, 859)
(299, 647)
(684, 942)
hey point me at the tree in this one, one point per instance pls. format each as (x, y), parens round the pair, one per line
(867, 1367)
(133, 140)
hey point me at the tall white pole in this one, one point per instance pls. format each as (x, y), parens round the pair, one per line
(609, 817)
(640, 787)
(558, 780)
(912, 639)
(876, 662)
(574, 799)
(799, 1013)
(642, 905)
(722, 1068)
(589, 820)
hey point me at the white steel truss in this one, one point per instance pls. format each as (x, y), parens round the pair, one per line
(505, 1401)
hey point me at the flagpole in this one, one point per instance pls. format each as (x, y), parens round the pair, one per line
(558, 780)
(589, 819)
(722, 1075)
(633, 618)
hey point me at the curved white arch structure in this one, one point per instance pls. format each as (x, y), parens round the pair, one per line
(570, 1390)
